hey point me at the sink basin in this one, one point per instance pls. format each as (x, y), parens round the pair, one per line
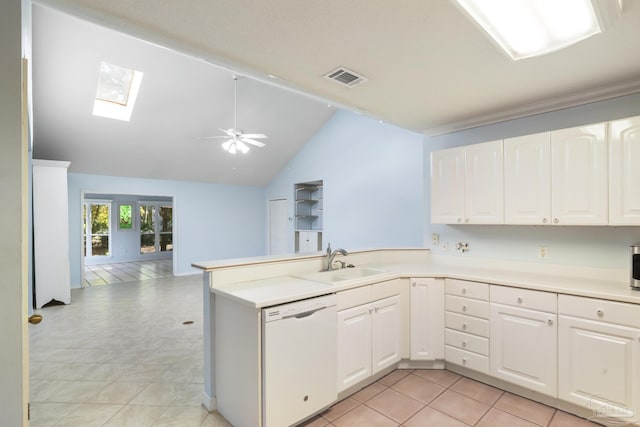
(342, 275)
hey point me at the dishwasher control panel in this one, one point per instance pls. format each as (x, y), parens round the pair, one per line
(298, 307)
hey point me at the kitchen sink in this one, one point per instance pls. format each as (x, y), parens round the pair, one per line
(342, 275)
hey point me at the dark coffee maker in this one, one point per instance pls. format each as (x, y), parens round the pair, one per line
(635, 267)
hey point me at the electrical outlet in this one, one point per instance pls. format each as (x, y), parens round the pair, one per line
(462, 247)
(435, 239)
(543, 252)
(445, 246)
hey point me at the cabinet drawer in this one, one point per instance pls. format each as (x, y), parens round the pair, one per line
(601, 310)
(385, 289)
(467, 289)
(467, 359)
(471, 325)
(525, 298)
(353, 297)
(467, 342)
(470, 307)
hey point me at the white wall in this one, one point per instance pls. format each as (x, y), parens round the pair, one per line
(211, 221)
(372, 175)
(606, 247)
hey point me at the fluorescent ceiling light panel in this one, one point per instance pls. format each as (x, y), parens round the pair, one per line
(117, 91)
(526, 28)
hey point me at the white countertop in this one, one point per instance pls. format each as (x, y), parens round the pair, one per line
(294, 286)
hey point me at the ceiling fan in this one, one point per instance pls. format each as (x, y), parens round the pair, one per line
(237, 140)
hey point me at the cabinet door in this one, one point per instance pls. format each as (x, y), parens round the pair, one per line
(483, 183)
(624, 173)
(579, 176)
(427, 319)
(354, 345)
(447, 186)
(387, 333)
(527, 179)
(599, 364)
(523, 347)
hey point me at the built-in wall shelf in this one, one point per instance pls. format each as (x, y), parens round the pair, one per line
(308, 215)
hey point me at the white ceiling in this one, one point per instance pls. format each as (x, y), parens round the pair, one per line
(429, 70)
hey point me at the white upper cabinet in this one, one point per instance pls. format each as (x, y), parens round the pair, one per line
(624, 173)
(447, 186)
(483, 183)
(466, 185)
(579, 174)
(527, 179)
(557, 177)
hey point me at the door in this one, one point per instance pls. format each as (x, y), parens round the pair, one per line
(354, 345)
(156, 227)
(447, 186)
(96, 227)
(527, 179)
(386, 339)
(427, 319)
(278, 227)
(579, 176)
(14, 120)
(523, 347)
(624, 173)
(483, 188)
(599, 364)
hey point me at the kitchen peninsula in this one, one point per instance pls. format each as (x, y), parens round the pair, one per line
(518, 326)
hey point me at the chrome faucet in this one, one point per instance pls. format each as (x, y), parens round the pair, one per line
(331, 255)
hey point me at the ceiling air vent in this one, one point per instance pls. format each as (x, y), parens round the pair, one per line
(345, 77)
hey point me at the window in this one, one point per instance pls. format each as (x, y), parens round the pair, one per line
(117, 91)
(125, 217)
(96, 228)
(156, 227)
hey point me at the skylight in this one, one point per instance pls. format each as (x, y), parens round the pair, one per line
(526, 28)
(117, 91)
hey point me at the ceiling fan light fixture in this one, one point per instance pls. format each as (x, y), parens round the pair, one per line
(527, 28)
(233, 146)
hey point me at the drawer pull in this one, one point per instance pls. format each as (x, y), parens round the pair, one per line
(413, 284)
(464, 343)
(600, 313)
(464, 326)
(464, 308)
(544, 220)
(519, 300)
(556, 220)
(464, 290)
(464, 360)
(550, 322)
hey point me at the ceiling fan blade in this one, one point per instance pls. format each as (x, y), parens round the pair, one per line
(213, 137)
(254, 135)
(229, 132)
(251, 141)
(227, 144)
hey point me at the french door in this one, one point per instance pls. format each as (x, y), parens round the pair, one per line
(156, 227)
(97, 228)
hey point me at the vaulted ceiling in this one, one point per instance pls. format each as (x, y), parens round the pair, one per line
(428, 68)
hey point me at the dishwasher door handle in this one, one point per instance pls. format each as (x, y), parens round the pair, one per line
(306, 313)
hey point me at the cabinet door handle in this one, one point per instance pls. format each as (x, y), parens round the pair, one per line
(550, 322)
(464, 326)
(600, 313)
(556, 220)
(464, 360)
(544, 220)
(377, 308)
(459, 219)
(370, 310)
(464, 308)
(464, 343)
(464, 290)
(519, 300)
(466, 220)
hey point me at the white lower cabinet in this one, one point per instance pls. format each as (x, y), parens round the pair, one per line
(599, 359)
(523, 345)
(427, 319)
(369, 337)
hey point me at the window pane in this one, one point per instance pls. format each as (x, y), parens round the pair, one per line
(125, 219)
(147, 243)
(99, 245)
(84, 246)
(166, 218)
(166, 242)
(99, 219)
(147, 214)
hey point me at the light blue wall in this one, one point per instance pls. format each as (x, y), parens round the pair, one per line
(372, 175)
(211, 221)
(578, 245)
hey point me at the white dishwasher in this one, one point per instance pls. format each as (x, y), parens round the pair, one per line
(298, 360)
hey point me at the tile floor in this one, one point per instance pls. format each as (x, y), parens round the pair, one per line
(106, 274)
(121, 356)
(438, 398)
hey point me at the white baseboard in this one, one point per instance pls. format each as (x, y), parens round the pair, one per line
(209, 402)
